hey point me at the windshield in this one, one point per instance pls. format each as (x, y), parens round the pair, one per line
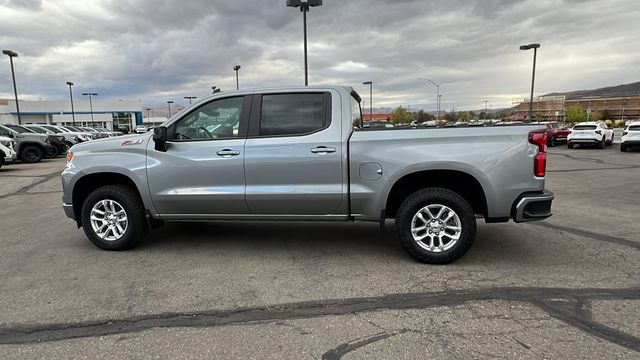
(52, 128)
(39, 130)
(19, 129)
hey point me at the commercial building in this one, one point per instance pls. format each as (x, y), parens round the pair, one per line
(114, 115)
(554, 107)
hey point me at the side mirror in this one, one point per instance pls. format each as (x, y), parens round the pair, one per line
(160, 138)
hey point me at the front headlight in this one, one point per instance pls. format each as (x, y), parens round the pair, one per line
(5, 142)
(45, 139)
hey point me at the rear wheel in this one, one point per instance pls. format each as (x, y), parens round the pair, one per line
(31, 154)
(436, 226)
(623, 148)
(570, 145)
(113, 218)
(602, 144)
(51, 152)
(552, 141)
(610, 142)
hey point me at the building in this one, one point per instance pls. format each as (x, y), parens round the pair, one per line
(114, 115)
(554, 107)
(376, 117)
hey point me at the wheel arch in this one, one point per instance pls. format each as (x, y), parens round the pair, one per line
(460, 182)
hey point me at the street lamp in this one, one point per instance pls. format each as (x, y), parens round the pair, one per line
(190, 98)
(236, 68)
(91, 105)
(437, 85)
(11, 55)
(169, 102)
(148, 115)
(533, 75)
(304, 8)
(370, 83)
(73, 113)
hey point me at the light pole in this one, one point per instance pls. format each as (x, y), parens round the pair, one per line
(437, 85)
(304, 8)
(11, 55)
(91, 105)
(169, 102)
(190, 98)
(439, 102)
(533, 75)
(370, 83)
(148, 115)
(73, 112)
(236, 68)
(485, 109)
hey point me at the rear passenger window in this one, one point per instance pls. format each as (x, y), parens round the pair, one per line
(293, 114)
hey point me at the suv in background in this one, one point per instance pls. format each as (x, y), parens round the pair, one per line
(69, 139)
(590, 133)
(556, 134)
(630, 136)
(31, 147)
(7, 150)
(57, 142)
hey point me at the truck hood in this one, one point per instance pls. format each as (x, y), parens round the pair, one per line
(116, 144)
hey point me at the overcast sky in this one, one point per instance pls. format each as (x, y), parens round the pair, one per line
(158, 50)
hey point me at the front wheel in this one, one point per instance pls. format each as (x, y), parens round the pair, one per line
(51, 152)
(31, 154)
(113, 218)
(436, 226)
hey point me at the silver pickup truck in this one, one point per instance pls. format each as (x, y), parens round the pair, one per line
(302, 154)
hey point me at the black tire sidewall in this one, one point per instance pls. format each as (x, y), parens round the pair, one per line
(129, 200)
(442, 196)
(36, 150)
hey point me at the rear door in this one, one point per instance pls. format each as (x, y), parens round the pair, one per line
(202, 171)
(293, 155)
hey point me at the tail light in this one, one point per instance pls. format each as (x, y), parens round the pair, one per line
(624, 133)
(540, 160)
(599, 132)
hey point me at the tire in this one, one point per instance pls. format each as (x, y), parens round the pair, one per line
(107, 199)
(610, 142)
(437, 201)
(570, 145)
(602, 144)
(31, 154)
(51, 152)
(623, 148)
(552, 141)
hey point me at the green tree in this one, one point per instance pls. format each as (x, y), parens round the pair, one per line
(465, 116)
(606, 114)
(400, 116)
(575, 113)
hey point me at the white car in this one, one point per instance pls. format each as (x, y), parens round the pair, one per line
(141, 129)
(630, 136)
(7, 150)
(590, 133)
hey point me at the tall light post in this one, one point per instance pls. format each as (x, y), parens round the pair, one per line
(236, 68)
(11, 55)
(533, 75)
(190, 98)
(304, 8)
(169, 102)
(91, 105)
(485, 109)
(439, 102)
(148, 115)
(73, 112)
(370, 83)
(437, 85)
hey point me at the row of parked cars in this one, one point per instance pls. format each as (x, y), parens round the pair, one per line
(593, 133)
(32, 143)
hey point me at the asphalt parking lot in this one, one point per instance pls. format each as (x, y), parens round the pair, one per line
(568, 287)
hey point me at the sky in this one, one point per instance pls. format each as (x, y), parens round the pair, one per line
(158, 50)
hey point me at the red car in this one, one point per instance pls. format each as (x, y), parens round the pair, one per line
(556, 133)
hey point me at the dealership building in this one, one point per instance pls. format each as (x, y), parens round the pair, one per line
(113, 115)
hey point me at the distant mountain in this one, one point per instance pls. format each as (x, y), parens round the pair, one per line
(632, 89)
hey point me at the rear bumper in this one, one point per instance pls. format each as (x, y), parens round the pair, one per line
(631, 142)
(533, 206)
(584, 141)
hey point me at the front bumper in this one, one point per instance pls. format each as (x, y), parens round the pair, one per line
(68, 210)
(533, 206)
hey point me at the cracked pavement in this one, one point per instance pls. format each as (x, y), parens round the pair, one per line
(567, 288)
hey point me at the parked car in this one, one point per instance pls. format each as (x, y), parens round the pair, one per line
(68, 138)
(630, 136)
(84, 135)
(59, 146)
(30, 147)
(299, 158)
(71, 136)
(7, 150)
(590, 133)
(109, 132)
(377, 124)
(556, 133)
(141, 129)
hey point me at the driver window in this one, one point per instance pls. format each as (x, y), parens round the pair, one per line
(219, 119)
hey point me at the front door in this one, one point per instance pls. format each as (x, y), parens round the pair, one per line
(293, 155)
(202, 171)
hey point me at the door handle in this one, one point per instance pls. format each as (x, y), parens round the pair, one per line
(323, 150)
(228, 152)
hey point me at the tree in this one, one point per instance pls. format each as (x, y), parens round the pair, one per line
(606, 114)
(575, 113)
(465, 116)
(400, 116)
(422, 116)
